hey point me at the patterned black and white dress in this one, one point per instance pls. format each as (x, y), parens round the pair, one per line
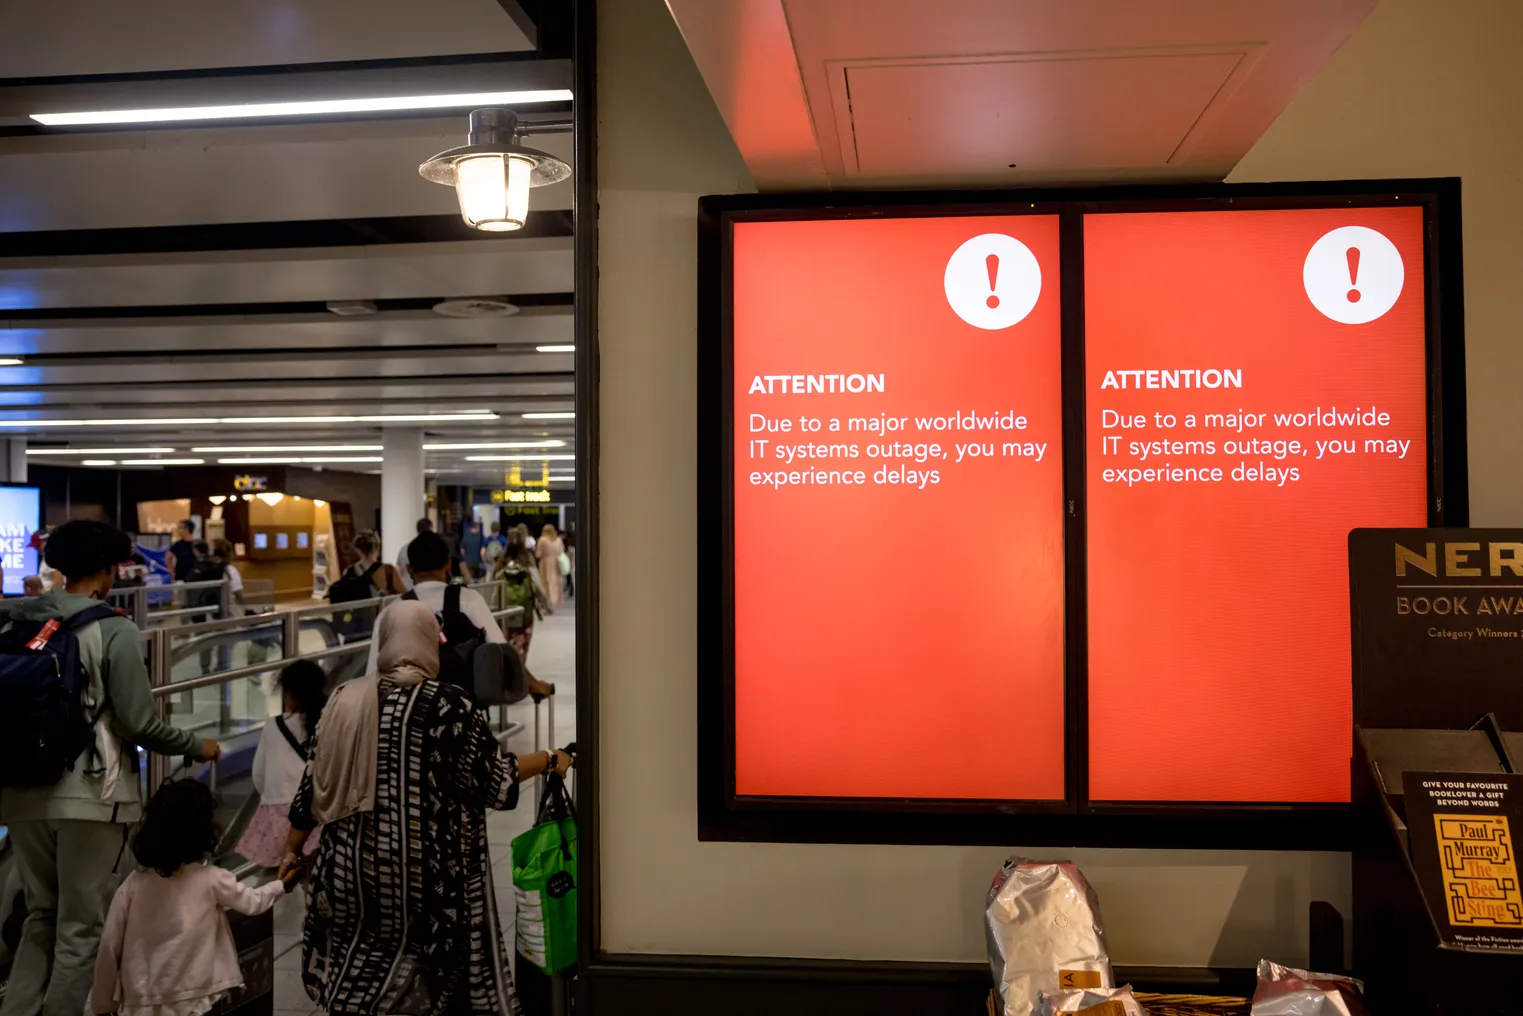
(401, 914)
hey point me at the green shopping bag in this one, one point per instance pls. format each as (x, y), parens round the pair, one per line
(544, 882)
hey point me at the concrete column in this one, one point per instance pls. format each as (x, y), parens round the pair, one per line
(402, 491)
(13, 459)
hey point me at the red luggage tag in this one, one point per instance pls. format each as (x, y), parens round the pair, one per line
(41, 638)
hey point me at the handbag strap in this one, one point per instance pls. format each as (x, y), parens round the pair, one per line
(285, 731)
(556, 792)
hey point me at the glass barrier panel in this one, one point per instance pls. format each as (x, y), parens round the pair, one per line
(194, 654)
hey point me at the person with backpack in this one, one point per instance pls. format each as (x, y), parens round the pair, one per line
(279, 761)
(167, 949)
(75, 705)
(522, 587)
(465, 615)
(206, 569)
(365, 580)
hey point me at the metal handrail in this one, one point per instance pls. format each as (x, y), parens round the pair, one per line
(159, 657)
(266, 620)
(252, 670)
(239, 673)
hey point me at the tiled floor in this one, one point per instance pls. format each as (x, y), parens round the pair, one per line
(552, 658)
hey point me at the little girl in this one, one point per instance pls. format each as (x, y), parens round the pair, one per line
(167, 949)
(280, 761)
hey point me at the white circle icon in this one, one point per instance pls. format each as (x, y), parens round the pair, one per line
(1353, 274)
(992, 281)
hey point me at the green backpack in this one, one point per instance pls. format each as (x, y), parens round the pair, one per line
(518, 591)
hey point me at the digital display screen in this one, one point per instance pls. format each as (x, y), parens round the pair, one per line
(20, 517)
(898, 508)
(282, 541)
(1028, 513)
(261, 541)
(303, 540)
(1255, 387)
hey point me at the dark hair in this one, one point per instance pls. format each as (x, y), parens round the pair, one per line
(188, 525)
(307, 683)
(179, 827)
(425, 526)
(518, 551)
(365, 541)
(427, 552)
(202, 547)
(85, 547)
(223, 549)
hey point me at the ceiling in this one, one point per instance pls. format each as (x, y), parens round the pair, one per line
(186, 272)
(187, 34)
(894, 93)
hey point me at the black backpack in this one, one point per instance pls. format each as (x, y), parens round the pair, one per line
(44, 726)
(489, 672)
(354, 585)
(207, 569)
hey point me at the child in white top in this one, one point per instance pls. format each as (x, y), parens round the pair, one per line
(167, 949)
(280, 760)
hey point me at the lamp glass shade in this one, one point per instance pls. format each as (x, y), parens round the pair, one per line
(494, 191)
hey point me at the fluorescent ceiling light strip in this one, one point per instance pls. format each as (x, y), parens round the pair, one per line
(519, 458)
(562, 479)
(104, 451)
(472, 417)
(311, 107)
(293, 460)
(10, 361)
(280, 449)
(549, 416)
(211, 421)
(97, 462)
(555, 349)
(483, 446)
(163, 462)
(186, 421)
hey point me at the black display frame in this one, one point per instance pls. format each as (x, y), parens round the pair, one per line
(1075, 821)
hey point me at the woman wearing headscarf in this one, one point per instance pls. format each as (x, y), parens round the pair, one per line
(402, 916)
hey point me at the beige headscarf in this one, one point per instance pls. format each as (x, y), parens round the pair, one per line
(344, 764)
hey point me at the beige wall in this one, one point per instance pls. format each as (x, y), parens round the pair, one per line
(1435, 88)
(1379, 109)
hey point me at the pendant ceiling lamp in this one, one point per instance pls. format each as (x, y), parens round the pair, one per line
(492, 173)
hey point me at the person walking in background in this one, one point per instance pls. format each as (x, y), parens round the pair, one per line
(280, 760)
(497, 537)
(222, 555)
(403, 914)
(167, 949)
(470, 548)
(548, 551)
(69, 836)
(181, 557)
(385, 579)
(522, 587)
(424, 526)
(523, 530)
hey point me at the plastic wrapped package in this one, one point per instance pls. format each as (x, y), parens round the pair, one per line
(1092, 1002)
(1045, 935)
(1286, 991)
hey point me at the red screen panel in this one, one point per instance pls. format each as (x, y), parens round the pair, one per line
(898, 519)
(1219, 660)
